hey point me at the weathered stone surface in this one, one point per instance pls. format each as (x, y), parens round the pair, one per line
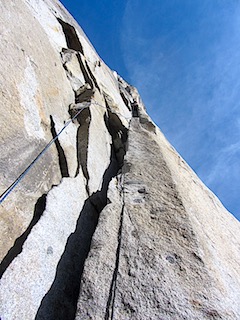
(110, 223)
(101, 263)
(41, 252)
(166, 269)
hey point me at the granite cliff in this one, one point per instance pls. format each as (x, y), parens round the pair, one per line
(108, 221)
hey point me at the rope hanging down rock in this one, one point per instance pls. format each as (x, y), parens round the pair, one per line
(21, 176)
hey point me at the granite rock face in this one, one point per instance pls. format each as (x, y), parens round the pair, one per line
(110, 222)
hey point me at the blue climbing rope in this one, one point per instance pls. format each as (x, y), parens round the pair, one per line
(21, 176)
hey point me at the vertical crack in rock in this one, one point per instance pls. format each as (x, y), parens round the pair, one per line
(82, 142)
(135, 109)
(61, 155)
(119, 134)
(92, 76)
(86, 76)
(125, 92)
(71, 36)
(61, 300)
(112, 292)
(168, 258)
(17, 247)
(125, 100)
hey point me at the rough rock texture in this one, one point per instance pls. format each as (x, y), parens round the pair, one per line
(110, 222)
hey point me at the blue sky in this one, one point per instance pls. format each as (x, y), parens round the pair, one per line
(184, 58)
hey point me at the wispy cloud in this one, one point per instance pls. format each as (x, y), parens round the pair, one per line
(184, 59)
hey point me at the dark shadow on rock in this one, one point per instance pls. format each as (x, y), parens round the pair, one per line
(92, 77)
(119, 134)
(86, 76)
(61, 155)
(82, 142)
(61, 300)
(18, 244)
(71, 36)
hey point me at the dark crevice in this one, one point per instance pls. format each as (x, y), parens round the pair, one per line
(84, 93)
(61, 300)
(82, 142)
(135, 111)
(18, 244)
(125, 100)
(92, 76)
(119, 135)
(112, 291)
(86, 76)
(61, 155)
(71, 36)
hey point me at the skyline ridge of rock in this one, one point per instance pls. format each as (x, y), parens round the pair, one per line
(110, 222)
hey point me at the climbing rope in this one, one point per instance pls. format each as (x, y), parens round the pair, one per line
(21, 176)
(115, 112)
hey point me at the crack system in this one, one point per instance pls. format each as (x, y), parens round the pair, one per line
(120, 153)
(86, 76)
(92, 76)
(109, 313)
(61, 300)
